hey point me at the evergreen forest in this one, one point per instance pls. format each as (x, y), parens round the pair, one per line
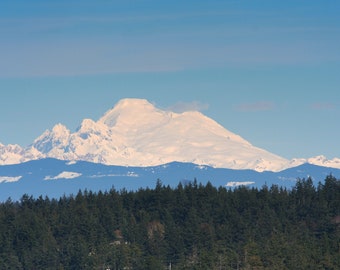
(191, 226)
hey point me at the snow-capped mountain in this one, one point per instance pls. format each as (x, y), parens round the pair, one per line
(317, 160)
(13, 154)
(136, 133)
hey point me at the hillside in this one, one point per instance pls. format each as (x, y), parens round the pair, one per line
(190, 226)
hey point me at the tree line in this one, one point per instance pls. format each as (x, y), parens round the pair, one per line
(192, 226)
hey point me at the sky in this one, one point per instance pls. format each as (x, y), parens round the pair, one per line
(268, 71)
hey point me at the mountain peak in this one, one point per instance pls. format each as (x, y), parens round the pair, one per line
(57, 137)
(60, 130)
(127, 107)
(132, 113)
(86, 125)
(133, 102)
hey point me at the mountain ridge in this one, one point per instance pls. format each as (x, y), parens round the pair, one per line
(136, 133)
(54, 178)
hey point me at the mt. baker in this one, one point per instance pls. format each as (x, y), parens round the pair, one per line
(135, 133)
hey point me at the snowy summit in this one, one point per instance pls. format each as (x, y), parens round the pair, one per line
(136, 133)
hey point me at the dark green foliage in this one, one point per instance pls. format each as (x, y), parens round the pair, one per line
(189, 227)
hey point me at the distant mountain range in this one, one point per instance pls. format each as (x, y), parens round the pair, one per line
(55, 178)
(136, 133)
(134, 144)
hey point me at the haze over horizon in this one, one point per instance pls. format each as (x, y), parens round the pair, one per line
(266, 71)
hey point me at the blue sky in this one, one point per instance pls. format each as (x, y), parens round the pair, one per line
(266, 70)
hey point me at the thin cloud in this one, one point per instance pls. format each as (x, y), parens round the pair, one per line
(255, 107)
(322, 106)
(182, 106)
